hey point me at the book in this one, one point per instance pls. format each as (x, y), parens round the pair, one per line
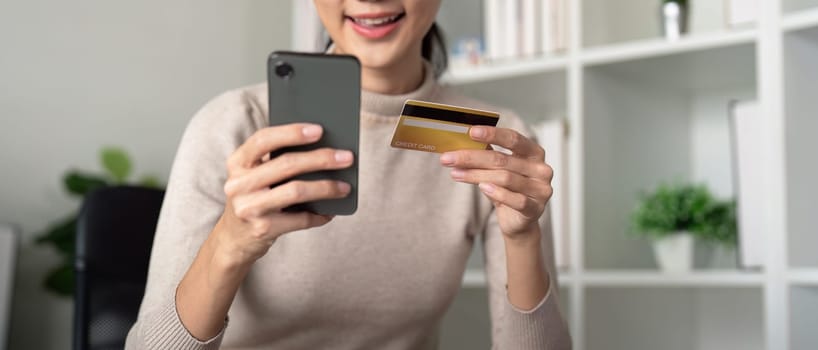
(530, 21)
(551, 135)
(560, 25)
(494, 30)
(546, 26)
(553, 21)
(746, 129)
(511, 29)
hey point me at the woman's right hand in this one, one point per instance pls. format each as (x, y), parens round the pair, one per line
(253, 219)
(253, 216)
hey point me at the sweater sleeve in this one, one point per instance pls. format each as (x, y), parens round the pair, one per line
(193, 203)
(542, 328)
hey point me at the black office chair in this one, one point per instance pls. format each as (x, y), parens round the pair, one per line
(115, 232)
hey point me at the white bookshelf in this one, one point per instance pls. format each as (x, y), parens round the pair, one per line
(644, 110)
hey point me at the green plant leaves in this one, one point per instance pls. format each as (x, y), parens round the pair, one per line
(720, 224)
(61, 235)
(150, 181)
(117, 163)
(80, 184)
(60, 280)
(675, 208)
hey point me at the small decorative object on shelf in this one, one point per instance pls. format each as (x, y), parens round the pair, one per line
(673, 215)
(61, 234)
(466, 52)
(674, 15)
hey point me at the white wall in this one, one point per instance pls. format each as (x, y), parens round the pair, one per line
(77, 75)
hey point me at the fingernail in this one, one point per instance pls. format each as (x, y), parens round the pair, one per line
(478, 132)
(343, 156)
(486, 187)
(344, 187)
(458, 174)
(311, 131)
(447, 158)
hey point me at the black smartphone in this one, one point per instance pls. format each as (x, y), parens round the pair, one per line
(325, 90)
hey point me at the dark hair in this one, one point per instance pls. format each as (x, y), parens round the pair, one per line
(433, 49)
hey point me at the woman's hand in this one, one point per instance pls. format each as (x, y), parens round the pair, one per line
(253, 219)
(253, 216)
(519, 184)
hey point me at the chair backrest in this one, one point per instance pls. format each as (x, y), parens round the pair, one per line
(115, 232)
(9, 236)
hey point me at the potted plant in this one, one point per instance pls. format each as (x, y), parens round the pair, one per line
(62, 234)
(674, 215)
(674, 18)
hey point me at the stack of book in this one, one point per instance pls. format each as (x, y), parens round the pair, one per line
(524, 28)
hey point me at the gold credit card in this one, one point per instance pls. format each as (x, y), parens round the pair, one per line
(435, 127)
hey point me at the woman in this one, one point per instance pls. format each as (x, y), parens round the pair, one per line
(380, 279)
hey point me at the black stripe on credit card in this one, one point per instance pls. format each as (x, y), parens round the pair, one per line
(448, 115)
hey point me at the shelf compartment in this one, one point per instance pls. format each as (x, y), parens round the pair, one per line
(803, 318)
(800, 75)
(674, 319)
(651, 121)
(651, 279)
(702, 68)
(606, 22)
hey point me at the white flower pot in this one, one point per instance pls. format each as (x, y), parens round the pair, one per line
(674, 253)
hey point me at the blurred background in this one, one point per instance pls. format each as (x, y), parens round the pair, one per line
(682, 132)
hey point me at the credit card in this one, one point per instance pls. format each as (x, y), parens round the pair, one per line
(435, 127)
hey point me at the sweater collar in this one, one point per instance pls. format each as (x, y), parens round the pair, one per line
(391, 105)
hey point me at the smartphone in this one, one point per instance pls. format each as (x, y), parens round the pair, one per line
(325, 90)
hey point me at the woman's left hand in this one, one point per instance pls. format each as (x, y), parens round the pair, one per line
(519, 184)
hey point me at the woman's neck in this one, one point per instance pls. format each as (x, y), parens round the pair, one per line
(400, 78)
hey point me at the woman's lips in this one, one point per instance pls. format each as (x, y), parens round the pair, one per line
(375, 26)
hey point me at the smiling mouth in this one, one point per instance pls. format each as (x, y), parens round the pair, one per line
(375, 22)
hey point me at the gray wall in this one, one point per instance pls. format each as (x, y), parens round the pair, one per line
(77, 75)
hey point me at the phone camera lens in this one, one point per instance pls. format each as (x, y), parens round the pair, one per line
(284, 70)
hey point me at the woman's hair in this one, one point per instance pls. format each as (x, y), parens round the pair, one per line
(433, 49)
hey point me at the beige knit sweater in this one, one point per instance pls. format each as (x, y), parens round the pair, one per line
(380, 279)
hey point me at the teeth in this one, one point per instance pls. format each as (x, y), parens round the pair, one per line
(374, 21)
